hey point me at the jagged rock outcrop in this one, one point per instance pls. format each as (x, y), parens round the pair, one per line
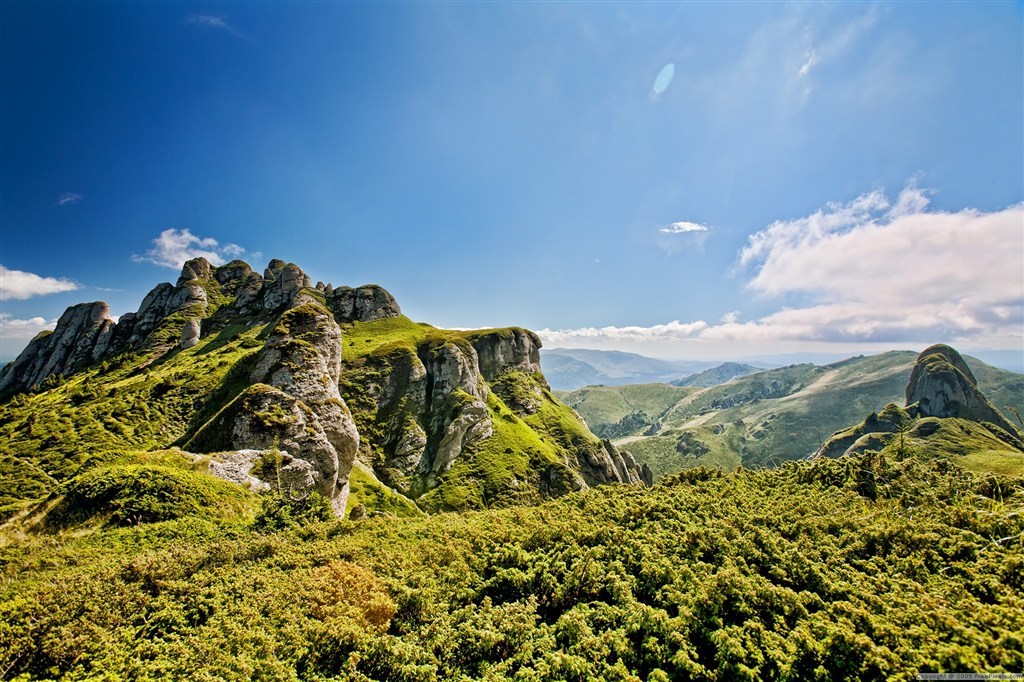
(262, 417)
(190, 333)
(86, 333)
(297, 370)
(456, 415)
(364, 304)
(432, 406)
(506, 350)
(941, 386)
(81, 336)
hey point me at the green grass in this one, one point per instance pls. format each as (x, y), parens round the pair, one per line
(364, 338)
(365, 489)
(117, 406)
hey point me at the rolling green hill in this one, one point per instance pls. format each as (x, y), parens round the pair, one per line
(764, 418)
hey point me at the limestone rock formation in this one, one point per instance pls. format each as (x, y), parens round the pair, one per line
(201, 291)
(427, 405)
(365, 304)
(506, 350)
(941, 386)
(81, 336)
(299, 366)
(190, 333)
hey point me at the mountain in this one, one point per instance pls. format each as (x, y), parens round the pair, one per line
(718, 375)
(944, 412)
(765, 418)
(306, 388)
(571, 368)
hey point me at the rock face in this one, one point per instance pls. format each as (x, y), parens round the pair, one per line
(506, 350)
(294, 402)
(941, 386)
(85, 333)
(456, 415)
(82, 336)
(365, 304)
(190, 333)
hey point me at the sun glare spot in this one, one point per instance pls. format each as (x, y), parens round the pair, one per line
(661, 83)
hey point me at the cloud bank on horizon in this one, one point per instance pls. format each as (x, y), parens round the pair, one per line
(870, 271)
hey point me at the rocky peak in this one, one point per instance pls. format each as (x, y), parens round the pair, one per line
(81, 336)
(197, 268)
(507, 350)
(942, 385)
(363, 304)
(235, 271)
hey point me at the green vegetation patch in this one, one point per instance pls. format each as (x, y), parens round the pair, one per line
(144, 493)
(869, 568)
(366, 490)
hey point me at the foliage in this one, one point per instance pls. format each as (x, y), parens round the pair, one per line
(794, 573)
(143, 493)
(280, 511)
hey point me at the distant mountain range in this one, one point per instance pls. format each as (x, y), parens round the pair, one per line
(568, 369)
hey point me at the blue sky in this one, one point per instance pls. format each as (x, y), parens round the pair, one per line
(827, 177)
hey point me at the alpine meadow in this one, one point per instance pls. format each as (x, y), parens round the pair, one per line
(692, 348)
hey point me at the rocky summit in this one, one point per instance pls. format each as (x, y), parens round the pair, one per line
(331, 381)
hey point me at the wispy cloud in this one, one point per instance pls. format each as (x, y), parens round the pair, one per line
(676, 236)
(173, 247)
(683, 226)
(20, 285)
(69, 198)
(14, 329)
(869, 271)
(211, 21)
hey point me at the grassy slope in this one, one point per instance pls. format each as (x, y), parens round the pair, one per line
(810, 403)
(605, 406)
(134, 403)
(797, 573)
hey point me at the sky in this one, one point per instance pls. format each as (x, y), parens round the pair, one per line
(691, 180)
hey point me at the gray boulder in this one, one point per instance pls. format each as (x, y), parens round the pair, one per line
(364, 304)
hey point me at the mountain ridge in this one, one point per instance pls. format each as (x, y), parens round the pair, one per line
(327, 376)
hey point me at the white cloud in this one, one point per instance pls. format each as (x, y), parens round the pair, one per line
(674, 237)
(173, 247)
(13, 329)
(214, 22)
(810, 61)
(867, 272)
(682, 227)
(19, 285)
(69, 198)
(660, 332)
